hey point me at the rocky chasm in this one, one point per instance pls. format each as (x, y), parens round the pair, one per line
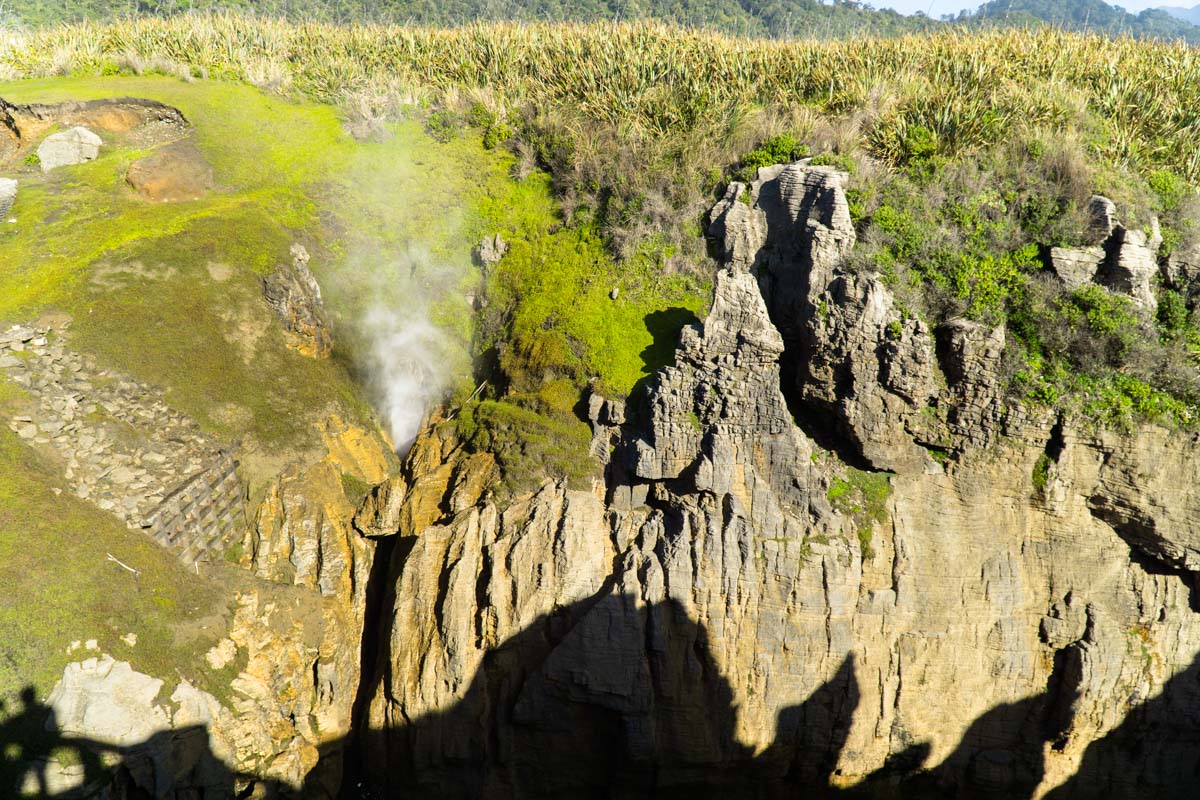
(818, 563)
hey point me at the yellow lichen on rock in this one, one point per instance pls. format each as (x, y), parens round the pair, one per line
(355, 450)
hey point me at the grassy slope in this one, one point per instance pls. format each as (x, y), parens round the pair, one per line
(285, 172)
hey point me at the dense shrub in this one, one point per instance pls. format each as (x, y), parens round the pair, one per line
(781, 149)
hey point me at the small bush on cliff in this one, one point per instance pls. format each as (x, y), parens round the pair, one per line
(1041, 473)
(863, 497)
(782, 149)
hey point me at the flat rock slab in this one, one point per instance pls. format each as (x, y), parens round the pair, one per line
(75, 146)
(8, 195)
(172, 173)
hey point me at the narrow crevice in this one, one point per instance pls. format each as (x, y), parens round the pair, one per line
(378, 616)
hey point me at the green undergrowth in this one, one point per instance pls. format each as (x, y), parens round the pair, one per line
(970, 236)
(862, 496)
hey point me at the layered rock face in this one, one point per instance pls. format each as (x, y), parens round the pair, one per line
(998, 606)
(293, 294)
(287, 665)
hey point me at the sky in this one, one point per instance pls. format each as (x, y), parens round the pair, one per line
(936, 8)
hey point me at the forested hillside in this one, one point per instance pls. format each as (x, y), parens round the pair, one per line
(776, 18)
(1083, 15)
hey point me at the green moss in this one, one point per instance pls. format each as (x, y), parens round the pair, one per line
(354, 488)
(865, 535)
(863, 497)
(939, 454)
(234, 554)
(1041, 473)
(550, 307)
(529, 446)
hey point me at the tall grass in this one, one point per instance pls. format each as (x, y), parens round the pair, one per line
(971, 88)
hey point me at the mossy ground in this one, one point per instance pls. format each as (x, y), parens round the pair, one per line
(169, 294)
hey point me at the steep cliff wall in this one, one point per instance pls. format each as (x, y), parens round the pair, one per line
(996, 602)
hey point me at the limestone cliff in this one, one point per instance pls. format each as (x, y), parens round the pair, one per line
(998, 603)
(287, 666)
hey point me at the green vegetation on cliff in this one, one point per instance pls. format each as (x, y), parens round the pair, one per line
(971, 153)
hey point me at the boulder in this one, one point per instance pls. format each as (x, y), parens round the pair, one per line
(1130, 267)
(738, 229)
(8, 195)
(76, 146)
(1182, 270)
(491, 250)
(107, 701)
(1122, 260)
(1102, 217)
(379, 513)
(1076, 266)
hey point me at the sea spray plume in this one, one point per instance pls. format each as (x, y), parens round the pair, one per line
(398, 290)
(406, 371)
(401, 315)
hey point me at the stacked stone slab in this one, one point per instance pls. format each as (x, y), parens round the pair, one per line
(201, 514)
(123, 449)
(1120, 259)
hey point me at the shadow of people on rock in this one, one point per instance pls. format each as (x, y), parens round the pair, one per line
(1154, 752)
(31, 747)
(608, 699)
(618, 699)
(37, 761)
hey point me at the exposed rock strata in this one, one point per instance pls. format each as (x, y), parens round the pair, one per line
(719, 621)
(294, 295)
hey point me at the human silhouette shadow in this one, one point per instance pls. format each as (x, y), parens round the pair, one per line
(1153, 753)
(613, 698)
(29, 741)
(39, 761)
(604, 699)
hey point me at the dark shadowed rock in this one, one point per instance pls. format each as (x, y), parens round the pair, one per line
(1102, 217)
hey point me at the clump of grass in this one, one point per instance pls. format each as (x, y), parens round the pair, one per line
(1041, 473)
(862, 496)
